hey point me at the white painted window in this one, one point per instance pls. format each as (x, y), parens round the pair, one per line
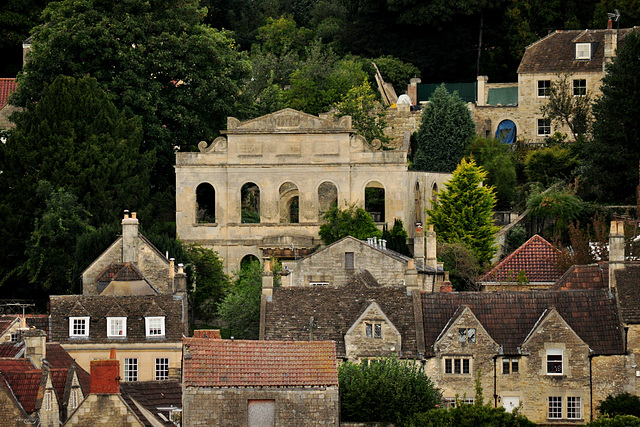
(554, 361)
(79, 326)
(583, 50)
(457, 366)
(544, 86)
(46, 403)
(555, 407)
(131, 369)
(452, 402)
(544, 127)
(116, 327)
(154, 326)
(73, 399)
(162, 368)
(574, 407)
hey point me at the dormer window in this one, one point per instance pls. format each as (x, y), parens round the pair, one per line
(373, 330)
(79, 326)
(583, 50)
(154, 326)
(116, 327)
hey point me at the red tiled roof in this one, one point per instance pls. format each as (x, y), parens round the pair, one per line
(7, 87)
(592, 276)
(37, 321)
(236, 363)
(5, 323)
(59, 378)
(214, 334)
(11, 349)
(536, 257)
(9, 364)
(25, 387)
(59, 358)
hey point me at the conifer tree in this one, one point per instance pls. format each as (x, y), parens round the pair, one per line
(463, 211)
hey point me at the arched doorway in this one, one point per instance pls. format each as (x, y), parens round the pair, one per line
(250, 203)
(289, 203)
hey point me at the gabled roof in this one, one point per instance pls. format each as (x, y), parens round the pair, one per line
(591, 276)
(556, 52)
(59, 358)
(237, 363)
(628, 285)
(124, 278)
(509, 316)
(335, 309)
(154, 396)
(536, 257)
(25, 386)
(6, 322)
(7, 87)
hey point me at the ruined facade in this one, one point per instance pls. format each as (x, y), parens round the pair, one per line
(263, 187)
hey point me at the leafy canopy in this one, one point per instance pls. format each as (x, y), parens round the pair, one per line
(353, 221)
(495, 159)
(566, 109)
(463, 211)
(446, 129)
(367, 114)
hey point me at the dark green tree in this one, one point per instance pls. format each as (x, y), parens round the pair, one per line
(621, 404)
(353, 221)
(610, 158)
(463, 212)
(240, 308)
(549, 165)
(470, 416)
(446, 129)
(384, 390)
(208, 282)
(155, 58)
(616, 421)
(397, 237)
(495, 158)
(396, 72)
(461, 263)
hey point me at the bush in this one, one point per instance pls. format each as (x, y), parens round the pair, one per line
(617, 421)
(353, 221)
(621, 404)
(469, 416)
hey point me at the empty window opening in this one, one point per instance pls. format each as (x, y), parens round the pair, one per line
(205, 203)
(250, 197)
(247, 260)
(374, 201)
(417, 201)
(289, 203)
(327, 197)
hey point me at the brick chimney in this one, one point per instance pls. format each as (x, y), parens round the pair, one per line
(412, 90)
(35, 343)
(130, 238)
(616, 250)
(105, 375)
(446, 285)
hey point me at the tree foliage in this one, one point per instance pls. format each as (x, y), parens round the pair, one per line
(616, 421)
(384, 390)
(610, 158)
(549, 165)
(566, 109)
(240, 308)
(461, 263)
(469, 416)
(463, 211)
(367, 114)
(621, 404)
(397, 237)
(496, 160)
(446, 129)
(353, 221)
(208, 281)
(557, 206)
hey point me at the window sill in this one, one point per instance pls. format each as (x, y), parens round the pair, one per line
(205, 224)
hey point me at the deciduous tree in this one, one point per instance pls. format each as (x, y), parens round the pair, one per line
(353, 221)
(566, 109)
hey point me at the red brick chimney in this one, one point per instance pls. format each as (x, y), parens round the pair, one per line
(105, 375)
(446, 284)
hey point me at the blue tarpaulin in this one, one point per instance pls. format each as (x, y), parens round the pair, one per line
(506, 132)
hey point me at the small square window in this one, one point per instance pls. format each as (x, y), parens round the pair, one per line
(467, 335)
(116, 327)
(154, 326)
(583, 50)
(544, 127)
(555, 407)
(79, 326)
(14, 337)
(554, 362)
(573, 407)
(162, 368)
(544, 86)
(579, 87)
(510, 366)
(131, 369)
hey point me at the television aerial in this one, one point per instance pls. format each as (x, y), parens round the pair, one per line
(615, 16)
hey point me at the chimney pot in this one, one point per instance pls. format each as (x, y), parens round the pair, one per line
(609, 24)
(134, 215)
(112, 354)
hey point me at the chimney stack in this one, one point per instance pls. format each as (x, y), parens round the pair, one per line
(432, 258)
(267, 279)
(35, 343)
(105, 375)
(411, 277)
(418, 246)
(130, 237)
(446, 285)
(616, 250)
(610, 44)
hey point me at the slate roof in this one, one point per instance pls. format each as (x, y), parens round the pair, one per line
(591, 276)
(536, 257)
(152, 395)
(7, 87)
(556, 52)
(628, 284)
(509, 316)
(59, 358)
(335, 309)
(97, 307)
(237, 363)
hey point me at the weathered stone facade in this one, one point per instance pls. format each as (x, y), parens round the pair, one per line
(294, 406)
(286, 159)
(108, 410)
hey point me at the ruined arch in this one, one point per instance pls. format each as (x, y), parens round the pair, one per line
(205, 203)
(250, 203)
(327, 197)
(434, 194)
(375, 201)
(289, 204)
(247, 259)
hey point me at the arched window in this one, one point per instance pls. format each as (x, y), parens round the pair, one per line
(205, 203)
(289, 203)
(417, 199)
(248, 259)
(250, 197)
(327, 197)
(506, 132)
(374, 202)
(434, 194)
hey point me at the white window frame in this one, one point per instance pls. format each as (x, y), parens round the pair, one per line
(554, 353)
(544, 89)
(583, 50)
(47, 400)
(72, 329)
(111, 321)
(73, 398)
(545, 126)
(131, 369)
(160, 364)
(450, 402)
(554, 407)
(148, 326)
(579, 87)
(574, 407)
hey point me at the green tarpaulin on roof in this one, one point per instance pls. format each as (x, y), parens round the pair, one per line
(466, 91)
(503, 96)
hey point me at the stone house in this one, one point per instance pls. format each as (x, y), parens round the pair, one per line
(7, 87)
(11, 325)
(580, 54)
(263, 187)
(156, 403)
(39, 382)
(134, 300)
(534, 265)
(260, 383)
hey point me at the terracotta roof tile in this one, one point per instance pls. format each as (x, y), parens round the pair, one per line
(214, 334)
(152, 395)
(7, 87)
(536, 257)
(236, 363)
(25, 387)
(10, 364)
(59, 358)
(11, 349)
(509, 316)
(59, 378)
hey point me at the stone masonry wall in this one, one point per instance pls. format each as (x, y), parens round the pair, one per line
(108, 410)
(10, 412)
(313, 406)
(359, 346)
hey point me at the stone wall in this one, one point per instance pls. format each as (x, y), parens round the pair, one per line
(399, 122)
(308, 406)
(11, 413)
(359, 346)
(108, 410)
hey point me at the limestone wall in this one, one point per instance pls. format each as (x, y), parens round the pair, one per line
(108, 410)
(312, 406)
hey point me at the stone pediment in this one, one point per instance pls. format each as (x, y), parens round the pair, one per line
(289, 121)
